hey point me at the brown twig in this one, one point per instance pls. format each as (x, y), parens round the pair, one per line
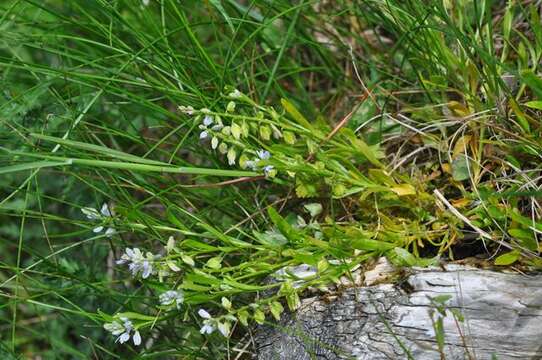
(340, 124)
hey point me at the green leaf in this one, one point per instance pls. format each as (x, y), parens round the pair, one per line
(32, 166)
(137, 316)
(296, 115)
(496, 212)
(439, 332)
(265, 132)
(198, 245)
(534, 104)
(403, 257)
(98, 149)
(200, 277)
(218, 6)
(371, 153)
(507, 258)
(289, 137)
(533, 82)
(322, 265)
(282, 225)
(521, 117)
(276, 309)
(241, 286)
(525, 237)
(305, 189)
(214, 262)
(371, 245)
(290, 293)
(242, 315)
(441, 299)
(293, 300)
(270, 238)
(188, 260)
(367, 151)
(314, 209)
(189, 285)
(63, 161)
(259, 316)
(460, 168)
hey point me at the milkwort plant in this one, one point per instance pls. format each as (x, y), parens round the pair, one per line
(279, 147)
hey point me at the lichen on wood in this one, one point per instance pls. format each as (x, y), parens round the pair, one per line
(502, 317)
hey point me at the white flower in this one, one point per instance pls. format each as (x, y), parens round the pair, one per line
(172, 296)
(145, 2)
(209, 324)
(204, 314)
(250, 164)
(300, 274)
(267, 169)
(104, 215)
(188, 110)
(207, 120)
(214, 142)
(207, 328)
(263, 154)
(235, 94)
(224, 328)
(137, 262)
(123, 331)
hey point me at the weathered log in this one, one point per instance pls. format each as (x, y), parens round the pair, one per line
(502, 320)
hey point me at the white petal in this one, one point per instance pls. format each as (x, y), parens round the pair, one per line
(147, 270)
(123, 338)
(127, 325)
(204, 314)
(137, 338)
(129, 252)
(203, 134)
(207, 329)
(134, 268)
(263, 154)
(98, 229)
(105, 210)
(180, 297)
(109, 232)
(224, 329)
(90, 213)
(207, 120)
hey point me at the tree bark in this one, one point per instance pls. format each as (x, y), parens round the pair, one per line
(502, 320)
